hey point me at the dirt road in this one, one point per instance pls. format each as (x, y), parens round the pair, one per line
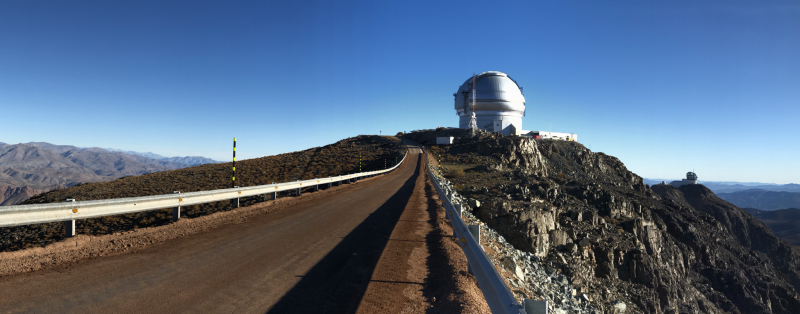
(365, 248)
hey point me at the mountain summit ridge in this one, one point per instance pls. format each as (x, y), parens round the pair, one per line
(659, 249)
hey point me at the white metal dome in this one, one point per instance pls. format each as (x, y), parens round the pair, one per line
(499, 103)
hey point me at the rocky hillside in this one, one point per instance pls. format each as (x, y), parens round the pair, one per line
(331, 160)
(583, 214)
(762, 199)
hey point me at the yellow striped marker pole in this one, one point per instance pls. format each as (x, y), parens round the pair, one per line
(233, 176)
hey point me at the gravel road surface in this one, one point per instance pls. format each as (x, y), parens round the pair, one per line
(377, 246)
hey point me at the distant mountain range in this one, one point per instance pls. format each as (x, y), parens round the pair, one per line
(188, 160)
(762, 199)
(785, 223)
(732, 186)
(32, 168)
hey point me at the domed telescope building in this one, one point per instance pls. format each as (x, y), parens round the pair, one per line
(499, 104)
(691, 178)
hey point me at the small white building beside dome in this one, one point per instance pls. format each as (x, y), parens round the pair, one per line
(499, 104)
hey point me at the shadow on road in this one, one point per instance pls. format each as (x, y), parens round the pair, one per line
(338, 282)
(442, 277)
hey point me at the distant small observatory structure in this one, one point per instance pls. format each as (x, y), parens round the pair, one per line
(691, 178)
(499, 105)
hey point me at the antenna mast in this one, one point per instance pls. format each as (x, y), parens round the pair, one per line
(473, 123)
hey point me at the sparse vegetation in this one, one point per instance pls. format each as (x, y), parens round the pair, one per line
(455, 173)
(561, 178)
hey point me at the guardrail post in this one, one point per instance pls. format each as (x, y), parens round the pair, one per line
(235, 201)
(299, 191)
(316, 187)
(69, 228)
(475, 231)
(458, 210)
(176, 211)
(69, 225)
(274, 195)
(534, 306)
(330, 184)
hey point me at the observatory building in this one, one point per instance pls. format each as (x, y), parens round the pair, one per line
(499, 104)
(691, 178)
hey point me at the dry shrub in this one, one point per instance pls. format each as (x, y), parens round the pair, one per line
(455, 174)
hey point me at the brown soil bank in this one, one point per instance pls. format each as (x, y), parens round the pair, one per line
(335, 159)
(660, 250)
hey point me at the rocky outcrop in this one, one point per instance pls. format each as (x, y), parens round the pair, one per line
(659, 250)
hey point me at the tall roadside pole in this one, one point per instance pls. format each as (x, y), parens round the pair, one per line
(235, 201)
(233, 176)
(440, 166)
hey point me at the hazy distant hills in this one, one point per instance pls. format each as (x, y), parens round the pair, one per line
(762, 199)
(732, 186)
(724, 188)
(785, 223)
(188, 160)
(14, 195)
(32, 168)
(762, 196)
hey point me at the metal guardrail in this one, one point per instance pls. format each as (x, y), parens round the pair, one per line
(495, 291)
(70, 211)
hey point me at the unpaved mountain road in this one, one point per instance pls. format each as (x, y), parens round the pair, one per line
(367, 248)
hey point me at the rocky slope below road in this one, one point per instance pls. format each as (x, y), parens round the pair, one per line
(584, 215)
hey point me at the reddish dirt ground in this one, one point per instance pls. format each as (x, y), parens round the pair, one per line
(421, 268)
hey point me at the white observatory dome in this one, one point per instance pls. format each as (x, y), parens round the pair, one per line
(499, 103)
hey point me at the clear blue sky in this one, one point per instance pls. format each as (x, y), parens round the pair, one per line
(666, 86)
